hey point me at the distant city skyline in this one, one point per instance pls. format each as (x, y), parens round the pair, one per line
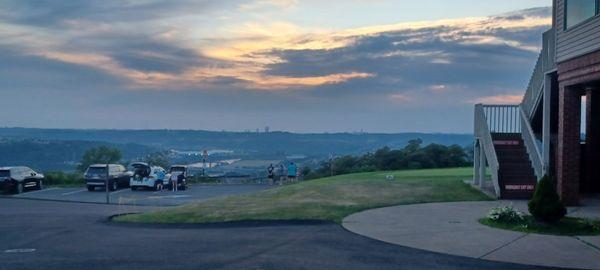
(279, 65)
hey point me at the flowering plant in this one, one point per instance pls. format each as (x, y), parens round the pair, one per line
(506, 214)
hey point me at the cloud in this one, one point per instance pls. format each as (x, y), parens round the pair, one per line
(258, 4)
(400, 98)
(276, 55)
(499, 99)
(70, 60)
(50, 13)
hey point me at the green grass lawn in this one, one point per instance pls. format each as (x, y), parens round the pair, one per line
(567, 226)
(328, 199)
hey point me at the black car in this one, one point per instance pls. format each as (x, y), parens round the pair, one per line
(95, 176)
(19, 178)
(181, 172)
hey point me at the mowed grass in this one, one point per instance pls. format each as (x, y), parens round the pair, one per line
(327, 199)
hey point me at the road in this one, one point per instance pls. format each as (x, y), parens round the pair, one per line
(63, 235)
(194, 193)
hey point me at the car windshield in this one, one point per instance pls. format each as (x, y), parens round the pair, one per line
(177, 169)
(4, 173)
(96, 171)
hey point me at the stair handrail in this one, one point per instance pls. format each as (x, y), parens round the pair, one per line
(546, 62)
(535, 88)
(532, 148)
(483, 134)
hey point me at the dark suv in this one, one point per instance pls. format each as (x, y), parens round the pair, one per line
(181, 172)
(95, 176)
(19, 178)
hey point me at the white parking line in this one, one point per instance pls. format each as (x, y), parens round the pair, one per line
(118, 191)
(73, 192)
(38, 191)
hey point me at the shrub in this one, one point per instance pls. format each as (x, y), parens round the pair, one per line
(62, 178)
(546, 205)
(506, 214)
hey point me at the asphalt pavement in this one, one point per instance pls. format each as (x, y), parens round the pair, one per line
(126, 196)
(63, 235)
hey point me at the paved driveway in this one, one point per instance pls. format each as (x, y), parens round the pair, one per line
(59, 235)
(141, 197)
(453, 228)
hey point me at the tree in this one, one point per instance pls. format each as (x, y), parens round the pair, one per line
(305, 171)
(546, 205)
(158, 159)
(99, 155)
(412, 156)
(413, 146)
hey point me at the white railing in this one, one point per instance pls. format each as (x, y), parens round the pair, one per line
(545, 63)
(484, 136)
(533, 150)
(535, 88)
(502, 119)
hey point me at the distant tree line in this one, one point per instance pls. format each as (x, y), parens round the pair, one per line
(412, 156)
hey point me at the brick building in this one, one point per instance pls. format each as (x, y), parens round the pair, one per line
(550, 132)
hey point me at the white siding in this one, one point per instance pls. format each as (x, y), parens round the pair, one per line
(577, 41)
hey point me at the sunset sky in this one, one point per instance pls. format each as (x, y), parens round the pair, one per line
(293, 65)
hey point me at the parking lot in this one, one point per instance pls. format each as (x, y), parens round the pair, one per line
(125, 196)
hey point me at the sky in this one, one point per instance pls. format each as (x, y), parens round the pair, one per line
(293, 65)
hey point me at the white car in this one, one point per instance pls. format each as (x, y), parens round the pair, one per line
(146, 176)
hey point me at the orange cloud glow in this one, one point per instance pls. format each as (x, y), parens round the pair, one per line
(247, 50)
(499, 99)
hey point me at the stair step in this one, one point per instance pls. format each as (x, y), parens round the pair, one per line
(511, 195)
(517, 177)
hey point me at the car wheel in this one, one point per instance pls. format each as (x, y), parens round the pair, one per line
(184, 187)
(40, 185)
(91, 188)
(158, 186)
(133, 188)
(19, 188)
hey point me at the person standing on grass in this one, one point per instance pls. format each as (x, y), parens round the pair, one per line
(271, 174)
(292, 171)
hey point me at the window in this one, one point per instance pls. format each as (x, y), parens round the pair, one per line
(577, 11)
(4, 173)
(99, 171)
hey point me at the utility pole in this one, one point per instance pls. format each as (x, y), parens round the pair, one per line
(204, 156)
(106, 185)
(330, 165)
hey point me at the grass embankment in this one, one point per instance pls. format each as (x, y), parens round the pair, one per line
(62, 179)
(328, 199)
(568, 226)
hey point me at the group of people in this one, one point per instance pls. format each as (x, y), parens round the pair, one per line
(282, 173)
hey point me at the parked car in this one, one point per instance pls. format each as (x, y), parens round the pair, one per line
(182, 172)
(146, 176)
(95, 176)
(19, 178)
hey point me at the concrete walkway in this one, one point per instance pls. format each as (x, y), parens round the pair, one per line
(452, 228)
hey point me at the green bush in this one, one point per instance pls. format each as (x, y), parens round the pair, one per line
(62, 178)
(545, 205)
